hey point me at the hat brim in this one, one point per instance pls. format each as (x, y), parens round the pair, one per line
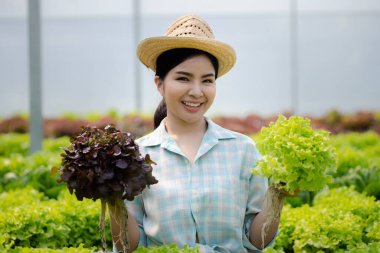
(149, 49)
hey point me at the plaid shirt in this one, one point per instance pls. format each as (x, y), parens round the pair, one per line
(209, 203)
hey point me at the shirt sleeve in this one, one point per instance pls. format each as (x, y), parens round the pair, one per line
(258, 186)
(136, 209)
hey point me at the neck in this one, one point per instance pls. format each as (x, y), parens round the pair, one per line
(176, 128)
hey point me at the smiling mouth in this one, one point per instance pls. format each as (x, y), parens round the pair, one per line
(194, 105)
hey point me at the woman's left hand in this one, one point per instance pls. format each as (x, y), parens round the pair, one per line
(283, 193)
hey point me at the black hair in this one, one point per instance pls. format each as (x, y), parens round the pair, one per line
(169, 60)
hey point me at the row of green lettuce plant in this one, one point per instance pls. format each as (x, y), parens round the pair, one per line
(17, 171)
(79, 249)
(161, 249)
(358, 164)
(28, 219)
(15, 143)
(29, 215)
(18, 168)
(29, 223)
(356, 150)
(341, 220)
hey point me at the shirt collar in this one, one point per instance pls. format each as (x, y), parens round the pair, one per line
(213, 135)
(160, 136)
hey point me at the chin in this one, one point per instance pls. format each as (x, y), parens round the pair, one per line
(193, 120)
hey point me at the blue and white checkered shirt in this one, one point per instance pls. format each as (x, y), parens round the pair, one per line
(209, 203)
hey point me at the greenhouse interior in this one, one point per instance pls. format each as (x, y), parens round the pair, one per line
(85, 168)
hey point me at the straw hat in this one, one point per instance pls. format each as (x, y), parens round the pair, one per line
(187, 32)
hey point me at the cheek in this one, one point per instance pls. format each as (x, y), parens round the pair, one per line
(171, 95)
(211, 93)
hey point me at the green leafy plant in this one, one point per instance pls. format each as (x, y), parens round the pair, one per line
(55, 144)
(16, 171)
(362, 179)
(79, 249)
(356, 150)
(27, 219)
(172, 248)
(341, 220)
(14, 143)
(295, 157)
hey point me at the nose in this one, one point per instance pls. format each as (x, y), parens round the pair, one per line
(196, 90)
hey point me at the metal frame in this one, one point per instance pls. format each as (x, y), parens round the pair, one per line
(34, 35)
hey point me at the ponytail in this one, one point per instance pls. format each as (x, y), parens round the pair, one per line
(159, 114)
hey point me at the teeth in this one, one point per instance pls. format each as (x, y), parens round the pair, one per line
(192, 104)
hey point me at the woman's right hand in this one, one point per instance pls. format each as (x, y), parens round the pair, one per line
(132, 228)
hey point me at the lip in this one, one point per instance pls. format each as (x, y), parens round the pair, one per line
(193, 102)
(192, 109)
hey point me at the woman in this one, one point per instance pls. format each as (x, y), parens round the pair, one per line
(206, 195)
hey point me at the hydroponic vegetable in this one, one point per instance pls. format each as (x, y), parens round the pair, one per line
(106, 164)
(294, 156)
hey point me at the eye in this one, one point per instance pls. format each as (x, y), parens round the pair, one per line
(182, 78)
(208, 81)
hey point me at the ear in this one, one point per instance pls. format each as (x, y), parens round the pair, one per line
(159, 84)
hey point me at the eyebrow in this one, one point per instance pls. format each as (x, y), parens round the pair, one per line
(189, 74)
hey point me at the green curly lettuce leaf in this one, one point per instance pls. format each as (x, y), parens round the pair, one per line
(294, 156)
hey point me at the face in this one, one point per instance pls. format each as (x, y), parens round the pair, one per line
(189, 90)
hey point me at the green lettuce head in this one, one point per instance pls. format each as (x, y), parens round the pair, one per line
(294, 156)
